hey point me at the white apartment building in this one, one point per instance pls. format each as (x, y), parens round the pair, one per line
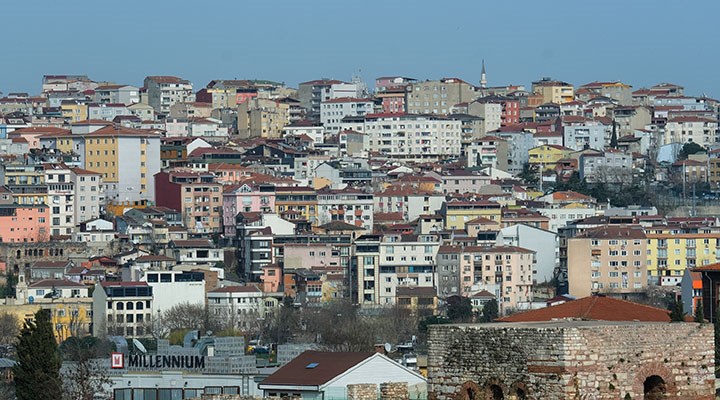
(411, 137)
(387, 262)
(89, 195)
(410, 201)
(164, 91)
(334, 110)
(117, 94)
(241, 306)
(491, 112)
(589, 134)
(351, 206)
(700, 130)
(122, 308)
(166, 285)
(107, 111)
(61, 199)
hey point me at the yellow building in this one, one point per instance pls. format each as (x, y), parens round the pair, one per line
(26, 183)
(74, 111)
(671, 253)
(70, 317)
(552, 91)
(547, 155)
(299, 200)
(458, 213)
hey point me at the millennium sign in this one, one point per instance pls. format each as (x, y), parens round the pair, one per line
(158, 362)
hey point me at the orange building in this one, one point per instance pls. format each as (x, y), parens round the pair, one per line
(24, 223)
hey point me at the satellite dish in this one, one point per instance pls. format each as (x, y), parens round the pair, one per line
(388, 347)
(139, 346)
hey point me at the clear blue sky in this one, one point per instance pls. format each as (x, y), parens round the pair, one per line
(639, 42)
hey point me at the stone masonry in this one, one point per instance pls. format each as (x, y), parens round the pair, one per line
(362, 391)
(394, 391)
(571, 360)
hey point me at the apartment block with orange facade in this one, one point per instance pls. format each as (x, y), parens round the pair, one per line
(608, 260)
(24, 223)
(197, 196)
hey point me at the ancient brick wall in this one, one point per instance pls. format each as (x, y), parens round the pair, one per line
(570, 360)
(362, 391)
(394, 391)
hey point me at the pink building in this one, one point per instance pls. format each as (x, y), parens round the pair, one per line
(24, 223)
(309, 256)
(247, 197)
(272, 278)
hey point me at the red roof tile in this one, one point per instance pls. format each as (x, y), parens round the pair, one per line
(596, 308)
(327, 366)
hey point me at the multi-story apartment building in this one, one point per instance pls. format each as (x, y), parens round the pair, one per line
(166, 285)
(238, 306)
(127, 158)
(553, 91)
(247, 197)
(616, 90)
(672, 249)
(24, 223)
(519, 142)
(122, 308)
(488, 151)
(609, 260)
(299, 200)
(585, 134)
(411, 202)
(684, 129)
(610, 166)
(413, 137)
(312, 93)
(164, 91)
(264, 118)
(386, 262)
(107, 111)
(61, 199)
(89, 195)
(351, 206)
(459, 212)
(509, 112)
(506, 272)
(436, 97)
(117, 94)
(334, 110)
(196, 195)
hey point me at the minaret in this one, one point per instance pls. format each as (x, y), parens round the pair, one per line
(483, 78)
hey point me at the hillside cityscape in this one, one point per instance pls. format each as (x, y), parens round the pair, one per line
(402, 238)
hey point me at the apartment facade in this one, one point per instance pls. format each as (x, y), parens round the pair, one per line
(164, 91)
(553, 91)
(609, 260)
(89, 195)
(122, 308)
(334, 110)
(437, 97)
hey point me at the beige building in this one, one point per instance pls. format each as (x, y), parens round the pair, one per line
(437, 97)
(164, 91)
(609, 260)
(190, 109)
(262, 118)
(700, 130)
(552, 91)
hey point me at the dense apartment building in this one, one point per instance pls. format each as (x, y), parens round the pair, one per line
(387, 262)
(412, 137)
(437, 97)
(122, 308)
(196, 195)
(334, 110)
(164, 91)
(263, 118)
(297, 203)
(673, 248)
(24, 223)
(684, 129)
(61, 198)
(312, 93)
(117, 94)
(552, 91)
(609, 260)
(352, 206)
(89, 195)
(411, 202)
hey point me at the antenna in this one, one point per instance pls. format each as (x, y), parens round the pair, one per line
(139, 346)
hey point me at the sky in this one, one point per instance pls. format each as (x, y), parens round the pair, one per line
(639, 42)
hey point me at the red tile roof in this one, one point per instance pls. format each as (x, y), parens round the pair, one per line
(327, 366)
(595, 308)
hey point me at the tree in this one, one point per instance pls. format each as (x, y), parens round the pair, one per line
(85, 376)
(283, 324)
(529, 174)
(338, 327)
(459, 309)
(614, 136)
(677, 314)
(37, 372)
(9, 329)
(490, 311)
(689, 149)
(699, 313)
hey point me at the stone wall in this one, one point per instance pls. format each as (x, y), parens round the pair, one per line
(362, 391)
(570, 360)
(394, 391)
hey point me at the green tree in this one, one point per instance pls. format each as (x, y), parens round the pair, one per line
(689, 149)
(699, 313)
(84, 375)
(677, 314)
(37, 373)
(490, 311)
(614, 136)
(529, 174)
(459, 309)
